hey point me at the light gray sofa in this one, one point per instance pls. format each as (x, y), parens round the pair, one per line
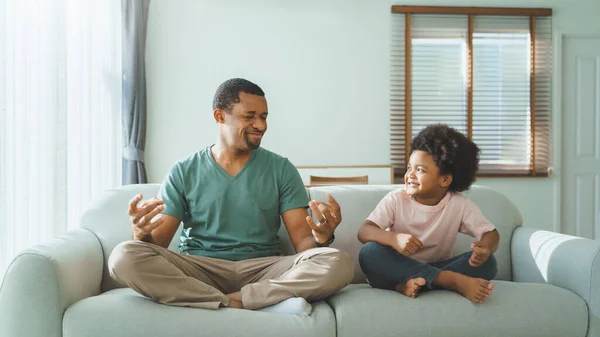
(548, 284)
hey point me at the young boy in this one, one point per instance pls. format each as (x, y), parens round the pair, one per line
(410, 235)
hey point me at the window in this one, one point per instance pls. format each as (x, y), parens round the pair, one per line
(60, 116)
(486, 72)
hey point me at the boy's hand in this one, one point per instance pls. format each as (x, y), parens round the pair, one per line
(480, 254)
(407, 244)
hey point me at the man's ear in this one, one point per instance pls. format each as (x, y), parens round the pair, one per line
(219, 116)
(446, 180)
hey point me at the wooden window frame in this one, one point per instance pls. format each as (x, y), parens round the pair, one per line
(472, 10)
(532, 13)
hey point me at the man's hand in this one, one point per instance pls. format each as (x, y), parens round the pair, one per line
(480, 254)
(145, 215)
(407, 244)
(329, 217)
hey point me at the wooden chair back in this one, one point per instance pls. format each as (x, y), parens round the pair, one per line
(324, 181)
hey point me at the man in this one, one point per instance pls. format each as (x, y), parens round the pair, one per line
(230, 197)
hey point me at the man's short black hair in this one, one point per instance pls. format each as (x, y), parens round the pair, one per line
(228, 93)
(452, 152)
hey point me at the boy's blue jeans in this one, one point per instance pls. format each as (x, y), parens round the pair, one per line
(385, 267)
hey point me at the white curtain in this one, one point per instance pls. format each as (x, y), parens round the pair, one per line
(60, 124)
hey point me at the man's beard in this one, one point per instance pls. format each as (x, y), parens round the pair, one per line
(251, 145)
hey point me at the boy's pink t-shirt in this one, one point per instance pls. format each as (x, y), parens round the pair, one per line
(436, 226)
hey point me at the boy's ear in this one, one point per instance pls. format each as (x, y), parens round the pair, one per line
(446, 180)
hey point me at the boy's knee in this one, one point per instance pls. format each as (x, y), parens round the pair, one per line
(490, 268)
(487, 270)
(368, 251)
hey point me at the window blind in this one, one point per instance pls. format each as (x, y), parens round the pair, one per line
(488, 76)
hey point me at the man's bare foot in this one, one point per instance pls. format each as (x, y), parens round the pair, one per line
(411, 287)
(235, 300)
(475, 289)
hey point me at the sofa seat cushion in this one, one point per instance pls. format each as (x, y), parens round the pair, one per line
(123, 312)
(514, 309)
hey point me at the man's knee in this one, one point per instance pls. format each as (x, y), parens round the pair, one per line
(341, 267)
(344, 265)
(122, 260)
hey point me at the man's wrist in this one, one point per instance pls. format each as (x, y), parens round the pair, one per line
(326, 243)
(142, 237)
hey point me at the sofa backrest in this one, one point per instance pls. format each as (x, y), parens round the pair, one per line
(107, 218)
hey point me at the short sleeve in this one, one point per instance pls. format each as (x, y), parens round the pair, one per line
(384, 214)
(292, 193)
(172, 192)
(473, 222)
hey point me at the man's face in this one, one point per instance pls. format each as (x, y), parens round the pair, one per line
(246, 123)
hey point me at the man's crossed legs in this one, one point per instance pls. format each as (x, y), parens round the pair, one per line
(203, 282)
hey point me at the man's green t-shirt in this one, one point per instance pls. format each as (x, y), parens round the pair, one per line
(233, 218)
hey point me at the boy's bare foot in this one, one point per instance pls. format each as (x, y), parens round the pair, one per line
(475, 289)
(411, 287)
(235, 300)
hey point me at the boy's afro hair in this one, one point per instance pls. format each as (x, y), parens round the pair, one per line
(452, 152)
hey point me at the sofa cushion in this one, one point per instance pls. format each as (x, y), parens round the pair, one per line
(123, 312)
(514, 309)
(357, 202)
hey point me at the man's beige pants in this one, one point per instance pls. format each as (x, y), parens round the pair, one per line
(196, 281)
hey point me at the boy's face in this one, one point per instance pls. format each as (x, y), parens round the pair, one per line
(423, 180)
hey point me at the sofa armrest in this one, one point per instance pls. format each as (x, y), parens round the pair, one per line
(43, 281)
(569, 262)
